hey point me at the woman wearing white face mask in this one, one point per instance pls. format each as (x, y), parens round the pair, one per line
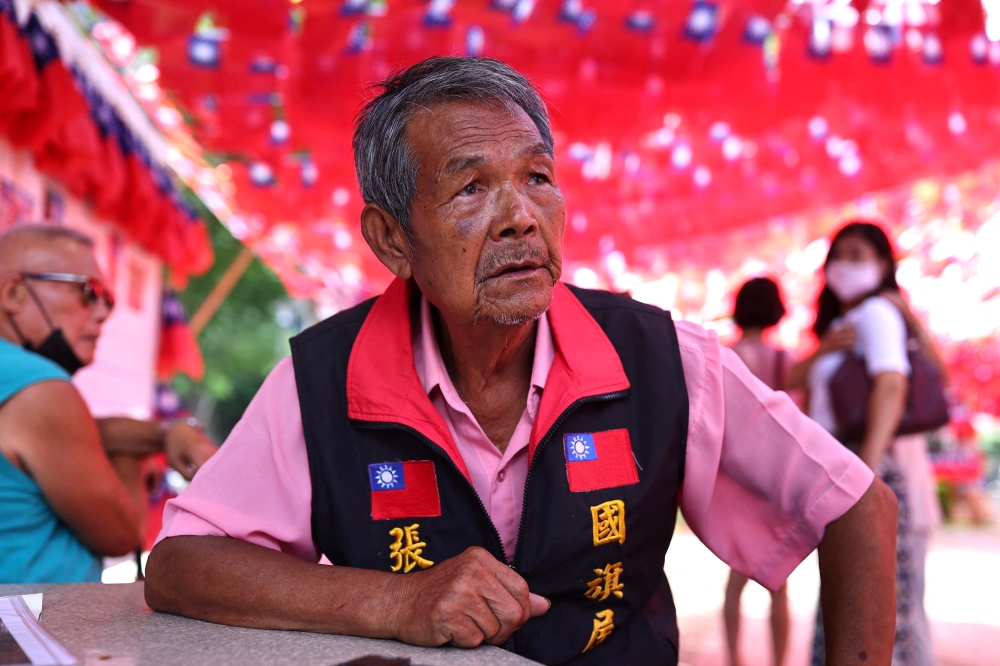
(861, 311)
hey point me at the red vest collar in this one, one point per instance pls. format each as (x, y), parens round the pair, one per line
(383, 386)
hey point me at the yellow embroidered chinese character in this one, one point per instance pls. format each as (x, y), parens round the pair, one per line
(407, 556)
(604, 624)
(606, 583)
(609, 522)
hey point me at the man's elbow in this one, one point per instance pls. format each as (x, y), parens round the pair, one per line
(885, 505)
(870, 523)
(874, 516)
(163, 563)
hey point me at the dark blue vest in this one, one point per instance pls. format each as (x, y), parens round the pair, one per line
(559, 552)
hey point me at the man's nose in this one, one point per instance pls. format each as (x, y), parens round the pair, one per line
(514, 216)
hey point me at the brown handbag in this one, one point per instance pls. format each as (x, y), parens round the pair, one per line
(851, 386)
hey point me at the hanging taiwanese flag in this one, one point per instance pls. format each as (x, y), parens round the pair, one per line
(757, 30)
(179, 350)
(204, 51)
(73, 154)
(438, 13)
(820, 38)
(475, 38)
(353, 7)
(59, 99)
(596, 460)
(640, 21)
(198, 256)
(878, 43)
(308, 172)
(703, 21)
(521, 11)
(107, 198)
(404, 490)
(932, 50)
(140, 194)
(19, 85)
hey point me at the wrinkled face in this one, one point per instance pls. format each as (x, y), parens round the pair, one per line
(63, 302)
(488, 217)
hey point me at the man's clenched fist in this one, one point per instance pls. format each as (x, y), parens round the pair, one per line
(467, 600)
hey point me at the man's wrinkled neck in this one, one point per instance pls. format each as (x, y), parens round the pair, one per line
(480, 353)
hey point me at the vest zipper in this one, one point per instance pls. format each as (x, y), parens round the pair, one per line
(541, 444)
(372, 425)
(509, 643)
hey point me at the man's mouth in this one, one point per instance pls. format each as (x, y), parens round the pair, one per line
(518, 269)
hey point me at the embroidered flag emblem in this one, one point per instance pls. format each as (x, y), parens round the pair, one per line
(579, 447)
(596, 460)
(387, 476)
(404, 490)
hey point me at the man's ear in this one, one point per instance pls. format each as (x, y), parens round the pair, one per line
(12, 293)
(386, 238)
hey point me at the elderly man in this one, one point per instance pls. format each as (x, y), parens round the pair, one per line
(70, 486)
(516, 447)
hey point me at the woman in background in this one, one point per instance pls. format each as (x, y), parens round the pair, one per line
(758, 308)
(860, 307)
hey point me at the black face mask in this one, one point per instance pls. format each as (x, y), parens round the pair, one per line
(55, 347)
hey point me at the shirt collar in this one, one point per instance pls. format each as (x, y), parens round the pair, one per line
(433, 373)
(383, 387)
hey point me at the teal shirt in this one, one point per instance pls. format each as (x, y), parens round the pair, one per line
(35, 545)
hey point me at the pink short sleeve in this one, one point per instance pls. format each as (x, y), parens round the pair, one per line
(761, 480)
(257, 487)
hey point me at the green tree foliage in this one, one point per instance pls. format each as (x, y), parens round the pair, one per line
(241, 343)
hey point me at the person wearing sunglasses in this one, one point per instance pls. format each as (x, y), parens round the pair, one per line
(71, 486)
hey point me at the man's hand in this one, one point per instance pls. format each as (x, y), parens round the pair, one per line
(467, 600)
(187, 448)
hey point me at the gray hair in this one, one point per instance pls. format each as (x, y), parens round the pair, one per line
(385, 164)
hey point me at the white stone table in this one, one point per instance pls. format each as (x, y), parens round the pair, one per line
(110, 625)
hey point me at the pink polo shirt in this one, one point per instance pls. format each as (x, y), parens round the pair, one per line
(761, 481)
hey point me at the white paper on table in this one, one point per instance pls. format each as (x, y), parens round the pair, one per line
(34, 603)
(19, 615)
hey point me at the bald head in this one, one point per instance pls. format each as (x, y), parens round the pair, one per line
(35, 247)
(32, 304)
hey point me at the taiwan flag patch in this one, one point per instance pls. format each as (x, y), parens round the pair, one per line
(404, 490)
(596, 460)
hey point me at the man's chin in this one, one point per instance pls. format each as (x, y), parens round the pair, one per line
(515, 304)
(85, 353)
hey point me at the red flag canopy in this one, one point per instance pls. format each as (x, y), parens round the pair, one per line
(672, 119)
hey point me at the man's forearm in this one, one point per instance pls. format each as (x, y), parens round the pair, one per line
(857, 562)
(465, 600)
(233, 582)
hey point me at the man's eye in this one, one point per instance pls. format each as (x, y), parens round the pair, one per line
(539, 178)
(469, 189)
